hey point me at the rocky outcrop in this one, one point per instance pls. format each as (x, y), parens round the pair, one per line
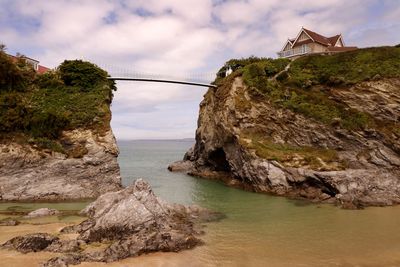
(42, 212)
(131, 221)
(9, 222)
(89, 169)
(248, 141)
(42, 242)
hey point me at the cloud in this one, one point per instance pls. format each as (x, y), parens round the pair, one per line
(178, 38)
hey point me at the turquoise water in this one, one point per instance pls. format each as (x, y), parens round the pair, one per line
(259, 229)
(264, 230)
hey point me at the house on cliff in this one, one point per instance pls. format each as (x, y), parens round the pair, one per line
(33, 62)
(309, 42)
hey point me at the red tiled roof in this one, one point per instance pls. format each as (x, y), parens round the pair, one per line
(334, 39)
(318, 37)
(42, 69)
(303, 42)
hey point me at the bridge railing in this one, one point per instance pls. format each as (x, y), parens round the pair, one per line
(202, 77)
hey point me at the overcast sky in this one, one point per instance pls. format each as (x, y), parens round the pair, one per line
(179, 38)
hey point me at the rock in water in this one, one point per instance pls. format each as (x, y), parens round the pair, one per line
(42, 212)
(133, 221)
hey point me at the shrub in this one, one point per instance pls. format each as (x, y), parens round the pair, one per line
(13, 112)
(46, 143)
(14, 77)
(82, 74)
(47, 124)
(49, 80)
(80, 99)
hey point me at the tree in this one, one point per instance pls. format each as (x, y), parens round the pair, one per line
(12, 76)
(3, 47)
(83, 75)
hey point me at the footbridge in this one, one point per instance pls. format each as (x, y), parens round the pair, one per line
(162, 81)
(194, 79)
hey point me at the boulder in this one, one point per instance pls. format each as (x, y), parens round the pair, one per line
(9, 222)
(181, 166)
(42, 212)
(132, 221)
(30, 243)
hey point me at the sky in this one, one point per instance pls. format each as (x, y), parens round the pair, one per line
(180, 38)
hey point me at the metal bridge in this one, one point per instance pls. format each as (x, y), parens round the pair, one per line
(129, 74)
(162, 81)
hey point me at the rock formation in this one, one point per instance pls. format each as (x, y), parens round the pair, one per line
(247, 140)
(42, 213)
(56, 141)
(29, 174)
(131, 221)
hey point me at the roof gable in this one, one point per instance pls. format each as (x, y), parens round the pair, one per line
(340, 39)
(318, 38)
(333, 40)
(299, 34)
(287, 42)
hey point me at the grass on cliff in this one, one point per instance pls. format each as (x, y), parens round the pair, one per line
(294, 156)
(345, 68)
(305, 87)
(265, 66)
(39, 107)
(312, 102)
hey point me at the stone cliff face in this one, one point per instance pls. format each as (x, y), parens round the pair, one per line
(89, 170)
(248, 141)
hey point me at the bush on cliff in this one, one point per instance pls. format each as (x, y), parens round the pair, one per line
(345, 68)
(40, 107)
(268, 65)
(14, 76)
(82, 74)
(49, 80)
(301, 87)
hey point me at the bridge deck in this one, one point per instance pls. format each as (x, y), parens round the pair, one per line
(161, 81)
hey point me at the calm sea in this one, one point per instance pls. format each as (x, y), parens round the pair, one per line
(262, 230)
(259, 229)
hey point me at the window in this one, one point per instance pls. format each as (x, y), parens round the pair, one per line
(304, 48)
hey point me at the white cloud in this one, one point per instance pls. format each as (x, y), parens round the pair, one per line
(174, 37)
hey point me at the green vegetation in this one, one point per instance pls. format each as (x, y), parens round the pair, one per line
(40, 107)
(295, 156)
(262, 66)
(345, 68)
(311, 102)
(305, 87)
(14, 76)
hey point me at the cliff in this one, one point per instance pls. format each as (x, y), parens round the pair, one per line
(55, 137)
(324, 128)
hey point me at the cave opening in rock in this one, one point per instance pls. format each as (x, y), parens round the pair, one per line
(217, 159)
